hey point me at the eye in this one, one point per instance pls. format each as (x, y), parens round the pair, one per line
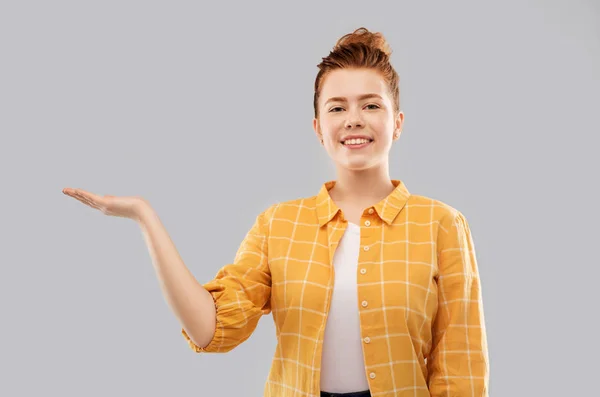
(333, 109)
(373, 104)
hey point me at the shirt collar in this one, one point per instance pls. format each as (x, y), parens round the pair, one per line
(387, 209)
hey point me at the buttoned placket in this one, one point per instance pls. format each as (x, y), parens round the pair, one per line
(368, 222)
(367, 236)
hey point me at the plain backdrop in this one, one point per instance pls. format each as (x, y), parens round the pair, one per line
(206, 111)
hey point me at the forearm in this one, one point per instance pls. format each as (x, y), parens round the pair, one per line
(191, 303)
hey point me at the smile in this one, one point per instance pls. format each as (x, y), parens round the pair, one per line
(356, 143)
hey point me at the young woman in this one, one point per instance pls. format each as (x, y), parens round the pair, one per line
(374, 291)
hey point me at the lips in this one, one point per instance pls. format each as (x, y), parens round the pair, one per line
(356, 137)
(356, 144)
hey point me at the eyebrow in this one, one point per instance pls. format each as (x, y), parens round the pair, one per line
(343, 99)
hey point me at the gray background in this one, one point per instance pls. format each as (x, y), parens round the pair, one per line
(206, 110)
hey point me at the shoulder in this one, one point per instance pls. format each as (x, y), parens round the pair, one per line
(438, 211)
(301, 209)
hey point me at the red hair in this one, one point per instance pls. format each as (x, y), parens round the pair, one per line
(360, 49)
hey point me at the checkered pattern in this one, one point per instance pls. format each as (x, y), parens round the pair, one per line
(419, 292)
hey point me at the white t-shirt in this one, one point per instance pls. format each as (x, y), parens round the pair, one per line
(342, 365)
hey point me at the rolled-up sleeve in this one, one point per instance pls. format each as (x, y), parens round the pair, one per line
(458, 364)
(241, 291)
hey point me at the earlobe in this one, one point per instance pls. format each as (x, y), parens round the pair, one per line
(399, 122)
(317, 130)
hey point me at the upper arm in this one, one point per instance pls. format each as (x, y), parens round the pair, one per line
(241, 290)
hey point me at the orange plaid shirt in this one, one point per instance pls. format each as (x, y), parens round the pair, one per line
(420, 301)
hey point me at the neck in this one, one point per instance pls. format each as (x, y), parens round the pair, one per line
(364, 187)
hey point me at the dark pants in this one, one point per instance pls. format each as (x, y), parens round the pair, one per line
(355, 394)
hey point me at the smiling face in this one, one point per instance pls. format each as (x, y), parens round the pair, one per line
(356, 119)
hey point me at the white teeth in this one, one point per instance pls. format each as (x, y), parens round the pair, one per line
(356, 141)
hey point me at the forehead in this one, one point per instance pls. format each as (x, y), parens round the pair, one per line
(350, 83)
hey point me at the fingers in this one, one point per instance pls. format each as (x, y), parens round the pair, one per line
(86, 200)
(85, 197)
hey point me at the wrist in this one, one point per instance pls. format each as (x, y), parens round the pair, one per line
(143, 211)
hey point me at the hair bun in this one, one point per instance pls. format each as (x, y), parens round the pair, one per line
(364, 36)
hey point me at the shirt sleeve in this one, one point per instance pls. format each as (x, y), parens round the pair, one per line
(241, 291)
(458, 364)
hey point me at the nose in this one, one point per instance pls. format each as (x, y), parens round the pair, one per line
(354, 122)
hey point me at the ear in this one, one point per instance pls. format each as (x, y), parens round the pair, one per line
(398, 123)
(317, 129)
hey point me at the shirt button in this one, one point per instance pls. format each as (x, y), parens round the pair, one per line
(371, 210)
(366, 248)
(365, 303)
(363, 271)
(367, 223)
(372, 375)
(367, 340)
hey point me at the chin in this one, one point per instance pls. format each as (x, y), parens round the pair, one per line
(358, 166)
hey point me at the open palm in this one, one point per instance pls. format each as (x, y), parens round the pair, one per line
(124, 207)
